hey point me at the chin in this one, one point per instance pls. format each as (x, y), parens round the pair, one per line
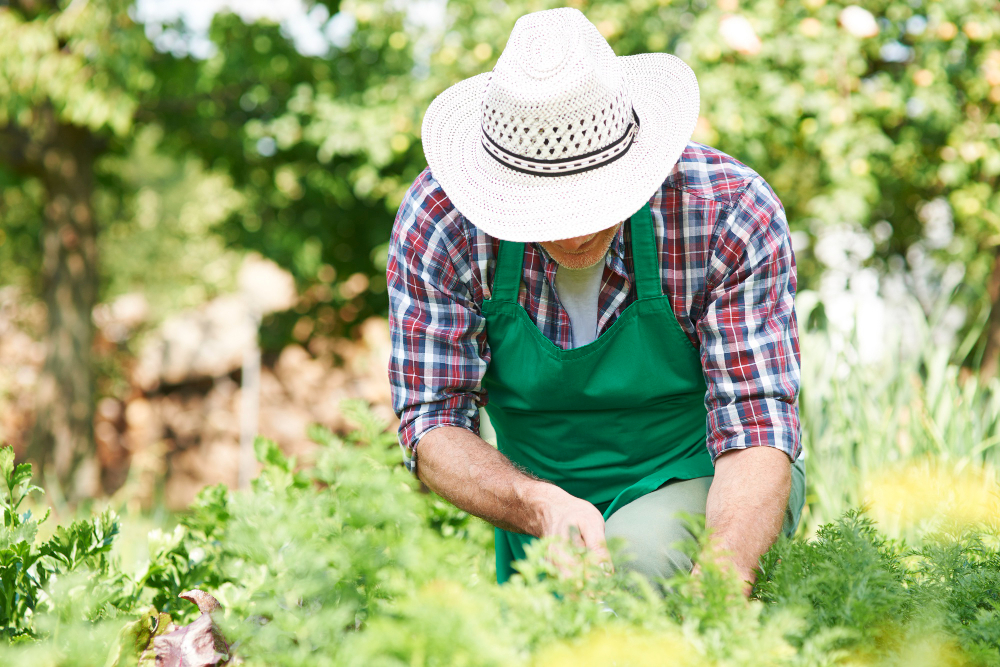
(575, 262)
(587, 259)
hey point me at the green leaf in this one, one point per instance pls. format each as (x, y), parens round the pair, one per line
(22, 474)
(24, 532)
(270, 454)
(7, 467)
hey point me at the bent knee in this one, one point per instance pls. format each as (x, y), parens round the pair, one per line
(655, 554)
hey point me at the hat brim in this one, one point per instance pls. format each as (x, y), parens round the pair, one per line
(516, 206)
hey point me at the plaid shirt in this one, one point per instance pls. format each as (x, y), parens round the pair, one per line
(726, 263)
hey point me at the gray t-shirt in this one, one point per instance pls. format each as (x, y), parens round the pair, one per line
(578, 291)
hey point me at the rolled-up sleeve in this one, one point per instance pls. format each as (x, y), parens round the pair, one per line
(748, 333)
(438, 334)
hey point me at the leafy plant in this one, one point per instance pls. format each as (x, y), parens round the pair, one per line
(27, 566)
(342, 560)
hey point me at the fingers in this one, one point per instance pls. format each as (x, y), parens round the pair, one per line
(582, 525)
(587, 531)
(593, 538)
(576, 534)
(590, 534)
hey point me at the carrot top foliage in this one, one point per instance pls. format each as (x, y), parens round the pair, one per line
(341, 560)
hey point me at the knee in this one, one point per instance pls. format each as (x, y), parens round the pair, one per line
(655, 554)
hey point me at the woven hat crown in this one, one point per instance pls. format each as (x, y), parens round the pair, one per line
(548, 144)
(557, 93)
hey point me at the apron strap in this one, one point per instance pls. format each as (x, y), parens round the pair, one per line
(507, 279)
(644, 257)
(510, 261)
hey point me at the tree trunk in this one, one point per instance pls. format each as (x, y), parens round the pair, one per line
(63, 440)
(991, 354)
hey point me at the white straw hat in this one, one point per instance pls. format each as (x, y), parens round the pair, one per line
(562, 138)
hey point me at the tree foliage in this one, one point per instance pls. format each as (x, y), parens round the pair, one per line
(70, 81)
(857, 129)
(880, 117)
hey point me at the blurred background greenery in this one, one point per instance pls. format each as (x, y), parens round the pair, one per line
(171, 172)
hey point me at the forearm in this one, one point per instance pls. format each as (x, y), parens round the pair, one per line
(475, 477)
(746, 503)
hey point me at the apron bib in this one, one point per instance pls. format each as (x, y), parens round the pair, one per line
(608, 422)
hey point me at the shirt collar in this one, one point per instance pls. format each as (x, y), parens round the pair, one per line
(618, 243)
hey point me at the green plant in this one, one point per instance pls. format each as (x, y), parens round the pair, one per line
(864, 423)
(27, 566)
(342, 560)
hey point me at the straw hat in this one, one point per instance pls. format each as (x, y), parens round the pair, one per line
(562, 138)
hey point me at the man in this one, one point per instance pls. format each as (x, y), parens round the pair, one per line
(618, 298)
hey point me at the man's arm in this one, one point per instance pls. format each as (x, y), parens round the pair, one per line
(439, 356)
(750, 355)
(746, 503)
(471, 474)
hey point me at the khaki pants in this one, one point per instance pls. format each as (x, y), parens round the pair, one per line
(651, 532)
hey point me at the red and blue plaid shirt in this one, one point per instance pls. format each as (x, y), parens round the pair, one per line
(727, 265)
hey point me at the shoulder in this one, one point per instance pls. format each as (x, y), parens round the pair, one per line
(728, 207)
(709, 174)
(431, 235)
(425, 205)
(427, 213)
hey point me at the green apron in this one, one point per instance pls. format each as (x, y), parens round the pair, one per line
(608, 422)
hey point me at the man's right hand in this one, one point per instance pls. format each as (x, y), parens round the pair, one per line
(473, 475)
(563, 515)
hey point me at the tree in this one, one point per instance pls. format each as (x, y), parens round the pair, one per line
(69, 83)
(322, 148)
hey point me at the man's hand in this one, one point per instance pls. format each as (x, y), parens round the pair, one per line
(474, 476)
(746, 506)
(564, 515)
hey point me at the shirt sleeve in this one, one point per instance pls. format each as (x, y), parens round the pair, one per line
(749, 334)
(438, 334)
